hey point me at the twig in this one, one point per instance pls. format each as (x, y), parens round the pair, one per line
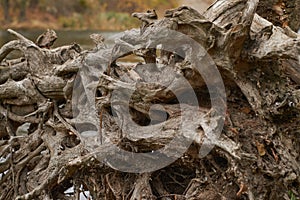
(101, 121)
(65, 123)
(13, 172)
(18, 118)
(19, 36)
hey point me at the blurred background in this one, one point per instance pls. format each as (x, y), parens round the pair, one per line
(75, 20)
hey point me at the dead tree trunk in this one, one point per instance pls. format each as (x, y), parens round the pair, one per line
(98, 126)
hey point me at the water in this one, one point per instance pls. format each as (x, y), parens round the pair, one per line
(64, 37)
(68, 37)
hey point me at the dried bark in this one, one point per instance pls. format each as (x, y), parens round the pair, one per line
(256, 156)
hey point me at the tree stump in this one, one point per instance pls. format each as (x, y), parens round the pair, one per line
(211, 111)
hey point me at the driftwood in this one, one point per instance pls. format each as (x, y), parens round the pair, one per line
(211, 111)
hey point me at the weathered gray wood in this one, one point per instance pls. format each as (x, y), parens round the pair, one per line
(50, 89)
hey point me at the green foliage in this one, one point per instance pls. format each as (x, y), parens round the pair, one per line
(115, 21)
(292, 195)
(136, 5)
(79, 14)
(157, 3)
(76, 21)
(83, 3)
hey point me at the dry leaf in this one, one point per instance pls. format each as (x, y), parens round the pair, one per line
(275, 155)
(234, 130)
(243, 189)
(246, 110)
(260, 148)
